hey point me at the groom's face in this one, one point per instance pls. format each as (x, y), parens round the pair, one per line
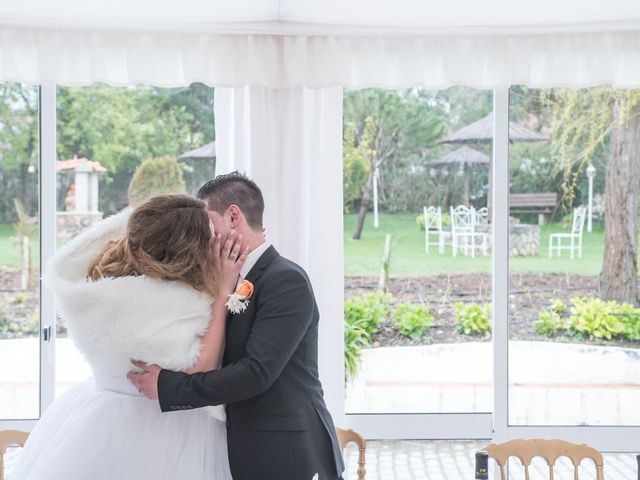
(220, 224)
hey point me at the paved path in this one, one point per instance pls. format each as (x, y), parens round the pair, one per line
(547, 382)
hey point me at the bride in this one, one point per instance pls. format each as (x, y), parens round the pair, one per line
(138, 285)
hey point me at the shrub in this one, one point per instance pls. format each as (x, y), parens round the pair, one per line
(362, 317)
(155, 176)
(412, 321)
(19, 298)
(355, 339)
(631, 322)
(473, 318)
(371, 308)
(597, 319)
(446, 221)
(550, 321)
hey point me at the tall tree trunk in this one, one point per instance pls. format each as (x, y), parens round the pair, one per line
(365, 204)
(618, 280)
(465, 174)
(24, 188)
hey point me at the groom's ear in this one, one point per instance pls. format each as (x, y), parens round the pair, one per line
(234, 213)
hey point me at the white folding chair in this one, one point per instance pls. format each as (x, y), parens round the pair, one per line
(433, 225)
(573, 239)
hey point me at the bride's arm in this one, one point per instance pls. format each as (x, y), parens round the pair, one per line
(212, 343)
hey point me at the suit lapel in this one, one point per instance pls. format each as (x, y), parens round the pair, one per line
(256, 272)
(261, 265)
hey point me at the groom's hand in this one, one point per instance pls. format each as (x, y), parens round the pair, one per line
(147, 381)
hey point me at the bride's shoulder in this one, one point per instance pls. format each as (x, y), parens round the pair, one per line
(143, 290)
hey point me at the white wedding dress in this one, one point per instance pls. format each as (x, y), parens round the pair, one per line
(103, 428)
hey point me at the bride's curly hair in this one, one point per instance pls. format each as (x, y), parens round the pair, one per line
(168, 238)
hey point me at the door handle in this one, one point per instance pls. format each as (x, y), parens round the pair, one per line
(46, 333)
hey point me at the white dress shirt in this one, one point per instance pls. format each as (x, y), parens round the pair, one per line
(252, 258)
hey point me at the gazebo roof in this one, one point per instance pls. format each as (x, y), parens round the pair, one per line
(71, 164)
(463, 155)
(481, 131)
(205, 152)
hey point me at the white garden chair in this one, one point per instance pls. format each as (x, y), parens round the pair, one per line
(433, 226)
(574, 239)
(482, 216)
(463, 231)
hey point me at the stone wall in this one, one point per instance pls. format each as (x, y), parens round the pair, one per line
(71, 224)
(524, 240)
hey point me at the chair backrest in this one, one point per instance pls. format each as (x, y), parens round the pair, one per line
(549, 450)
(579, 215)
(432, 218)
(482, 216)
(348, 436)
(462, 219)
(7, 439)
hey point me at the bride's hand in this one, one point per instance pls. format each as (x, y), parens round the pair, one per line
(232, 254)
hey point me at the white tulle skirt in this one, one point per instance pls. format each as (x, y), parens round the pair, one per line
(89, 433)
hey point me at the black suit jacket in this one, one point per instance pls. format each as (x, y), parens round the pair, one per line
(278, 426)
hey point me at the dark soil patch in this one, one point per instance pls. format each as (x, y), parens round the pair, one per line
(529, 294)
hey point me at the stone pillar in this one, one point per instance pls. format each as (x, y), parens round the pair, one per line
(93, 189)
(82, 174)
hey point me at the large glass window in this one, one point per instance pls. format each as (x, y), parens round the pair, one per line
(574, 326)
(417, 242)
(19, 253)
(116, 147)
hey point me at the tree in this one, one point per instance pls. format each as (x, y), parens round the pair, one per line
(618, 280)
(356, 153)
(155, 176)
(391, 126)
(585, 125)
(121, 126)
(18, 148)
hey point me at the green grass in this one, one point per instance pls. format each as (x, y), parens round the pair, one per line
(10, 251)
(364, 256)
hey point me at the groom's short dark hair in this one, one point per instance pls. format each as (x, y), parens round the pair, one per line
(234, 188)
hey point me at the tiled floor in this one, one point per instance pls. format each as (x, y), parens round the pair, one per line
(454, 460)
(446, 460)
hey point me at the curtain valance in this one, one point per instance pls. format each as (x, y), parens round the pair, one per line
(78, 57)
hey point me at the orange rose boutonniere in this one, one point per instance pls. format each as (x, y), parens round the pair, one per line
(239, 299)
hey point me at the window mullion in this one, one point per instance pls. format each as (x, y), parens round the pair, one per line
(47, 241)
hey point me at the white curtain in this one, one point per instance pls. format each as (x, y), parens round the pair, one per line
(76, 57)
(290, 142)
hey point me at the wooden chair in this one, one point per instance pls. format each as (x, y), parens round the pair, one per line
(7, 439)
(347, 436)
(550, 450)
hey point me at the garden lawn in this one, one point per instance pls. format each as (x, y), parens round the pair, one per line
(364, 257)
(9, 250)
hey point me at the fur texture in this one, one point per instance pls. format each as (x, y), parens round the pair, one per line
(113, 320)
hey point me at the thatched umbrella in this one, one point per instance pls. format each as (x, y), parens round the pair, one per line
(206, 152)
(203, 164)
(481, 132)
(464, 156)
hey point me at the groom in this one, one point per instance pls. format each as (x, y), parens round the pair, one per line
(278, 427)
